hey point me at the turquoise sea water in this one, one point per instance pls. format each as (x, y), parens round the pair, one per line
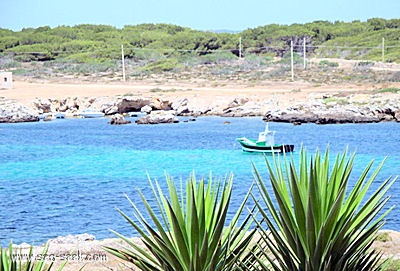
(67, 176)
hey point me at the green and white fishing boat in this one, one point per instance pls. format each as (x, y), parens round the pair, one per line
(264, 144)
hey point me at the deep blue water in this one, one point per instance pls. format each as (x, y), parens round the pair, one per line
(67, 176)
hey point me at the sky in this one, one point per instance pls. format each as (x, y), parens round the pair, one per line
(234, 15)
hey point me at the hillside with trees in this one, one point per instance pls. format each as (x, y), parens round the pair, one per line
(100, 43)
(94, 52)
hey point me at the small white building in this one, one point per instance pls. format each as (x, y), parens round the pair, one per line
(5, 80)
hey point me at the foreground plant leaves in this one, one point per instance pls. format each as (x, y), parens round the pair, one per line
(15, 260)
(187, 229)
(316, 221)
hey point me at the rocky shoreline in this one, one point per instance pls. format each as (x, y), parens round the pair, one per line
(321, 109)
(347, 110)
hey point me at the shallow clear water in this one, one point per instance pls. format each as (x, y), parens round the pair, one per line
(67, 176)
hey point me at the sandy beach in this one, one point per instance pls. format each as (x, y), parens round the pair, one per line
(286, 93)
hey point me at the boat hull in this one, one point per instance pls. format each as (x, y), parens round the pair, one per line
(249, 145)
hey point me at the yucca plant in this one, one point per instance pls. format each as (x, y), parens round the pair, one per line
(188, 229)
(316, 221)
(15, 260)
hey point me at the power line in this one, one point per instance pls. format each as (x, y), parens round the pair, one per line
(172, 50)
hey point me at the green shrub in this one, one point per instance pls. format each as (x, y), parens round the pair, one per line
(140, 54)
(163, 90)
(337, 100)
(319, 222)
(392, 90)
(162, 65)
(363, 65)
(217, 57)
(186, 230)
(327, 63)
(347, 77)
(86, 57)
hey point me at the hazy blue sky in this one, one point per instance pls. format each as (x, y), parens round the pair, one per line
(200, 15)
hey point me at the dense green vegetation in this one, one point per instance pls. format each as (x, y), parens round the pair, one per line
(99, 43)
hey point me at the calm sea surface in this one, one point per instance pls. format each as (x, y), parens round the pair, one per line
(67, 176)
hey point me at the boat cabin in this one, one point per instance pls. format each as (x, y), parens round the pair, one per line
(267, 136)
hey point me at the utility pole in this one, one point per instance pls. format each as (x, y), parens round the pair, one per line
(304, 54)
(123, 63)
(291, 59)
(240, 47)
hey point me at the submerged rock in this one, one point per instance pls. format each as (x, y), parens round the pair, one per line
(118, 119)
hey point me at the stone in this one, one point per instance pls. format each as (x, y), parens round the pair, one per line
(131, 104)
(12, 112)
(160, 116)
(397, 115)
(181, 106)
(110, 110)
(237, 102)
(326, 115)
(118, 119)
(159, 104)
(73, 239)
(146, 109)
(42, 106)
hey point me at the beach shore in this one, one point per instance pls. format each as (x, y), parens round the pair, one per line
(284, 93)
